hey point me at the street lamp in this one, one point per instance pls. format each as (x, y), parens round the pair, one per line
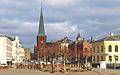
(77, 53)
(64, 53)
(115, 57)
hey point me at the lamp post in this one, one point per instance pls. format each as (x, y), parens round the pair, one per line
(77, 54)
(115, 57)
(64, 58)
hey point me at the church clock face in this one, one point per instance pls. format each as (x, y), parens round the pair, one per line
(41, 42)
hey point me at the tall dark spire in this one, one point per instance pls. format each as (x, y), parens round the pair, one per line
(78, 37)
(41, 31)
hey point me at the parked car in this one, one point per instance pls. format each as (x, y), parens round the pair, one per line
(3, 65)
(88, 66)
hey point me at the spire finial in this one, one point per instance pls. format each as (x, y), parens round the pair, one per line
(41, 3)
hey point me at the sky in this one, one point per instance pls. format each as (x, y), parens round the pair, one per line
(90, 18)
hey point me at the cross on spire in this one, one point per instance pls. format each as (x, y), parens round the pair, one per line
(41, 3)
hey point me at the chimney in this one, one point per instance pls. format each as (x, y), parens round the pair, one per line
(111, 34)
(83, 39)
(17, 38)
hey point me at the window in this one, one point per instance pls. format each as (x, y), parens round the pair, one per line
(94, 49)
(116, 48)
(16, 45)
(90, 50)
(97, 58)
(116, 58)
(110, 58)
(102, 59)
(85, 49)
(97, 49)
(110, 48)
(101, 48)
(93, 58)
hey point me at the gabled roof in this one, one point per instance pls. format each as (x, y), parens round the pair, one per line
(113, 38)
(109, 38)
(12, 39)
(65, 39)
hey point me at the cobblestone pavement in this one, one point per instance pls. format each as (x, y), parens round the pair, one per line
(96, 72)
(37, 72)
(107, 71)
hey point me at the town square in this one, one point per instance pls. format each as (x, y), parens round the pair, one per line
(59, 37)
(37, 72)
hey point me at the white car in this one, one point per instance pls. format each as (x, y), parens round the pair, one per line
(3, 65)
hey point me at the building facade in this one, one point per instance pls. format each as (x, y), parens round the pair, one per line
(27, 55)
(21, 55)
(5, 50)
(106, 49)
(81, 49)
(84, 48)
(17, 51)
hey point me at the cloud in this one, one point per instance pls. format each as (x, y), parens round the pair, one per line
(25, 30)
(62, 18)
(104, 11)
(60, 2)
(60, 30)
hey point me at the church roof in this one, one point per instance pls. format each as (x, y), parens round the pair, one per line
(41, 31)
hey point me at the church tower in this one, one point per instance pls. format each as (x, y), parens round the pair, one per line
(78, 38)
(41, 37)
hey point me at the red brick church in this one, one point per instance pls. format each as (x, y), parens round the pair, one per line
(79, 47)
(41, 39)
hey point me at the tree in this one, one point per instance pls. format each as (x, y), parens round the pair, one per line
(65, 55)
(87, 52)
(52, 52)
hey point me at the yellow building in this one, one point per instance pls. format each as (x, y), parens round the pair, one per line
(27, 54)
(106, 49)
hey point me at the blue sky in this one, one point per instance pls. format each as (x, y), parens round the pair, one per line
(62, 18)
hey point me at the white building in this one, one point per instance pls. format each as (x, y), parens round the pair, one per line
(21, 55)
(11, 51)
(18, 51)
(5, 50)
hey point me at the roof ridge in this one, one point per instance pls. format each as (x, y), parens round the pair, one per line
(106, 38)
